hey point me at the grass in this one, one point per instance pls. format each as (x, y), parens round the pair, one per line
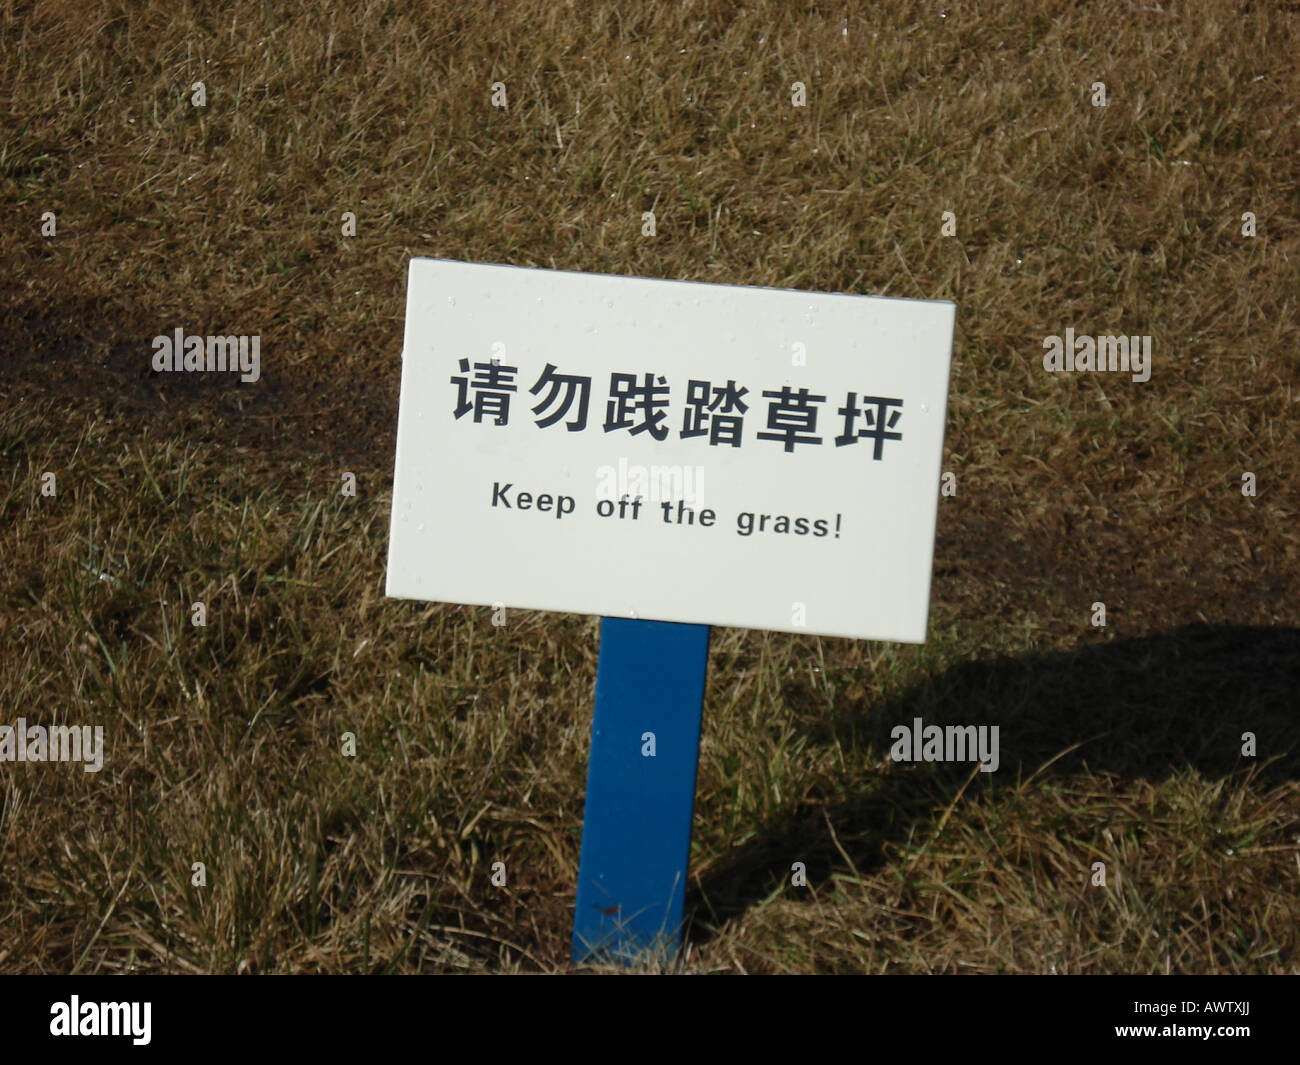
(1120, 745)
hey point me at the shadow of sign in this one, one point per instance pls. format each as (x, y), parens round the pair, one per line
(1134, 709)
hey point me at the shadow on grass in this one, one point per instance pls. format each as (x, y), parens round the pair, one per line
(1140, 709)
(85, 353)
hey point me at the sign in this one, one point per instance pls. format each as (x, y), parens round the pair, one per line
(667, 450)
(668, 455)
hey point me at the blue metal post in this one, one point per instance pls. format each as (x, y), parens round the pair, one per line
(636, 831)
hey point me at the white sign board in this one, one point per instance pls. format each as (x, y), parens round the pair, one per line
(667, 450)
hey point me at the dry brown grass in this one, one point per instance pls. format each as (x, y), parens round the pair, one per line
(223, 741)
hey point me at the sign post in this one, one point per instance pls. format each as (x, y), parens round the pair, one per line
(636, 828)
(669, 456)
